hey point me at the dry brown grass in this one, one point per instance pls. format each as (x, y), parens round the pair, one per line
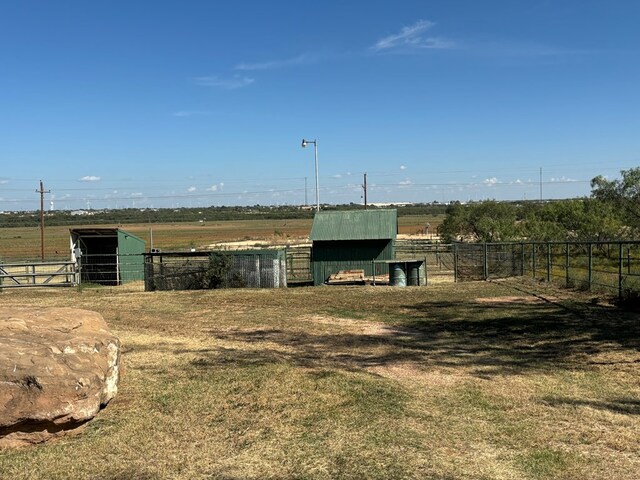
(24, 242)
(357, 382)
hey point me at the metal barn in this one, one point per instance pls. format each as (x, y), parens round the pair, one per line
(350, 240)
(107, 256)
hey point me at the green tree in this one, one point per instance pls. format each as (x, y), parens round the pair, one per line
(488, 221)
(575, 219)
(623, 195)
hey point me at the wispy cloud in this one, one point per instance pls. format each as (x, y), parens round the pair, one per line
(3, 181)
(490, 181)
(228, 83)
(89, 178)
(190, 113)
(303, 59)
(413, 38)
(216, 187)
(191, 189)
(562, 179)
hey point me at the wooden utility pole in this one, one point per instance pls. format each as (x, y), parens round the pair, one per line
(364, 186)
(42, 192)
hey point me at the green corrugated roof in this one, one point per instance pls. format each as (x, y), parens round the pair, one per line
(355, 225)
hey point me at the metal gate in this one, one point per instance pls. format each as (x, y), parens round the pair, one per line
(38, 274)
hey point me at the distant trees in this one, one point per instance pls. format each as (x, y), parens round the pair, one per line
(488, 221)
(575, 219)
(622, 195)
(612, 212)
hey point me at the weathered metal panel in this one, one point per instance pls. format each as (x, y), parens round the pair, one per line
(130, 257)
(355, 225)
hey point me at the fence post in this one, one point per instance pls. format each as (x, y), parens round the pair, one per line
(566, 263)
(455, 262)
(533, 259)
(522, 259)
(620, 270)
(373, 269)
(426, 275)
(549, 264)
(590, 265)
(485, 263)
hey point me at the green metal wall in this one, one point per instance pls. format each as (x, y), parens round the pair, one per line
(332, 256)
(130, 257)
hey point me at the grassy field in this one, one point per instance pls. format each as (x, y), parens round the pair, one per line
(24, 242)
(467, 381)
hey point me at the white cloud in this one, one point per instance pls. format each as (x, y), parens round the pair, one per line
(215, 187)
(337, 175)
(412, 37)
(303, 59)
(403, 167)
(490, 181)
(136, 194)
(406, 182)
(89, 178)
(191, 189)
(229, 83)
(562, 179)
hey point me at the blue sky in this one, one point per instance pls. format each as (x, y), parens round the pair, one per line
(197, 103)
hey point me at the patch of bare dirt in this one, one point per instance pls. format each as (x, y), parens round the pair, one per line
(528, 299)
(364, 327)
(411, 371)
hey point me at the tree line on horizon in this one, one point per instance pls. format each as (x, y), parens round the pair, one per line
(611, 212)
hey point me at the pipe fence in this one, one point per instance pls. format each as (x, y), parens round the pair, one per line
(613, 267)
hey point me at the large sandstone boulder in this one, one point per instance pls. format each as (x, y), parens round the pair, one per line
(58, 368)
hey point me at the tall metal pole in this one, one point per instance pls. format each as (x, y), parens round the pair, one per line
(540, 183)
(315, 149)
(365, 191)
(306, 201)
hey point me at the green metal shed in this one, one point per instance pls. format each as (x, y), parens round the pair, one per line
(350, 240)
(107, 256)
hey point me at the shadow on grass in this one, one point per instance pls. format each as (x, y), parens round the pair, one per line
(625, 406)
(489, 338)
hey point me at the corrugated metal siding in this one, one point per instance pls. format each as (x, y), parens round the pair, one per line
(331, 257)
(355, 225)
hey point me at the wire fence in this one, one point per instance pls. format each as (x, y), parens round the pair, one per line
(438, 258)
(198, 270)
(612, 267)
